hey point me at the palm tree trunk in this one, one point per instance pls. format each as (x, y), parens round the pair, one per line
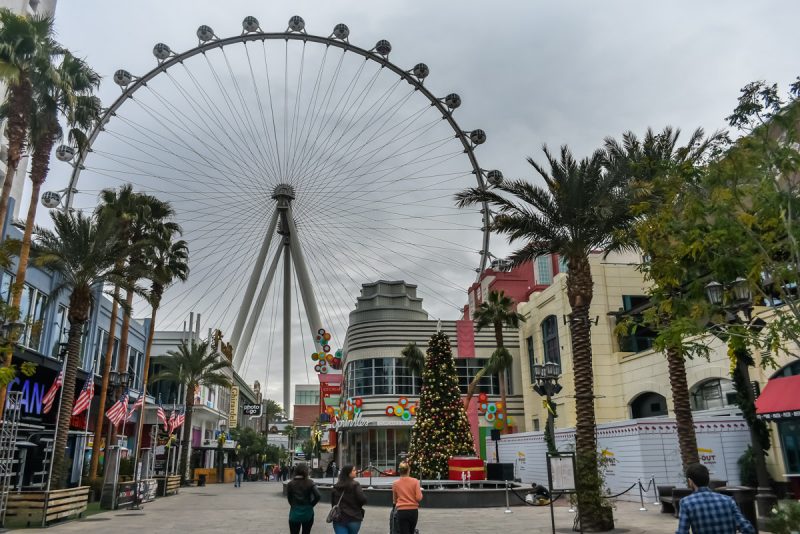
(146, 372)
(501, 375)
(19, 105)
(100, 419)
(687, 440)
(67, 401)
(187, 434)
(122, 363)
(580, 293)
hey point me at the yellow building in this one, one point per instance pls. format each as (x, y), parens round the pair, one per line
(631, 380)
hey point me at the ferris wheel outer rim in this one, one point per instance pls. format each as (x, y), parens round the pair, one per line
(203, 47)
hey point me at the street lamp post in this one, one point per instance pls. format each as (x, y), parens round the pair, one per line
(742, 301)
(545, 377)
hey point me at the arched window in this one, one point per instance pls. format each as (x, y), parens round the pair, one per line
(648, 404)
(713, 393)
(552, 351)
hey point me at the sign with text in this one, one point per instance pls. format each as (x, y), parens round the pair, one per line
(252, 410)
(561, 468)
(233, 415)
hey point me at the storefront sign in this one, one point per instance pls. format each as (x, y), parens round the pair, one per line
(233, 415)
(356, 422)
(32, 393)
(252, 410)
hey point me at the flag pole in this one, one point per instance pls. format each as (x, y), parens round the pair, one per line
(86, 428)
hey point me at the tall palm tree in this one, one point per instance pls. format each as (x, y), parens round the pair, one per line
(579, 210)
(413, 358)
(271, 411)
(128, 211)
(69, 95)
(82, 251)
(150, 237)
(655, 166)
(498, 312)
(168, 262)
(26, 50)
(192, 365)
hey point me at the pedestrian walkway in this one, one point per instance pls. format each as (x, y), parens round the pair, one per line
(260, 507)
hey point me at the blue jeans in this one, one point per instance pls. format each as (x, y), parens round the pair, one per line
(347, 528)
(238, 481)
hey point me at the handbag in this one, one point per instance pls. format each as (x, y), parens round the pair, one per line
(334, 515)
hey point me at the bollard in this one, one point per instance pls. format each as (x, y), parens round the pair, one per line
(469, 480)
(656, 499)
(370, 476)
(571, 506)
(508, 508)
(641, 497)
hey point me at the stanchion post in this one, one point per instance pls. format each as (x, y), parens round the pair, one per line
(370, 476)
(641, 497)
(508, 508)
(656, 500)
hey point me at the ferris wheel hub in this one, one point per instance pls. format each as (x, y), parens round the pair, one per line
(283, 192)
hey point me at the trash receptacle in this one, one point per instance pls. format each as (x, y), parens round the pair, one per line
(201, 480)
(745, 499)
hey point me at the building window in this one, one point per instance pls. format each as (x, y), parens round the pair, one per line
(648, 404)
(562, 265)
(135, 363)
(306, 397)
(552, 351)
(531, 355)
(31, 312)
(790, 370)
(544, 270)
(712, 394)
(789, 432)
(467, 368)
(61, 330)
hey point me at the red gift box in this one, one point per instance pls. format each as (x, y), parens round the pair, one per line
(466, 464)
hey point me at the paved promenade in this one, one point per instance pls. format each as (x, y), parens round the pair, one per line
(260, 507)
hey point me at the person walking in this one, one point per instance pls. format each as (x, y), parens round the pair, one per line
(406, 496)
(276, 473)
(708, 512)
(347, 493)
(303, 495)
(239, 470)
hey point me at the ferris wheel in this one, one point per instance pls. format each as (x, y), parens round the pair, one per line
(300, 167)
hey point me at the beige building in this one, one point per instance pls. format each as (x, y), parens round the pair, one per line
(631, 379)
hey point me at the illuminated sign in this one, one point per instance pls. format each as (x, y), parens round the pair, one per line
(32, 393)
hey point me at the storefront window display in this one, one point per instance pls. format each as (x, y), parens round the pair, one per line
(379, 446)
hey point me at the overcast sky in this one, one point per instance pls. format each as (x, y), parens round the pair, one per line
(529, 72)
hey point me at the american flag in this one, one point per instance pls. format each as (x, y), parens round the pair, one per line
(139, 402)
(50, 396)
(85, 397)
(171, 423)
(161, 415)
(117, 413)
(180, 418)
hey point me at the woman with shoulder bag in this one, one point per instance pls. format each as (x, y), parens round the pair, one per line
(348, 500)
(303, 496)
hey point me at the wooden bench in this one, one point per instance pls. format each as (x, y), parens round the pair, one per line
(173, 485)
(60, 504)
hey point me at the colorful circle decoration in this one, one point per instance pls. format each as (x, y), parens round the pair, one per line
(490, 417)
(359, 402)
(404, 409)
(390, 410)
(493, 412)
(324, 355)
(406, 415)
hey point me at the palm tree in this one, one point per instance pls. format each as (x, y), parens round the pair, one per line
(498, 312)
(579, 210)
(82, 251)
(69, 95)
(192, 365)
(168, 262)
(26, 49)
(649, 165)
(271, 411)
(413, 358)
(139, 226)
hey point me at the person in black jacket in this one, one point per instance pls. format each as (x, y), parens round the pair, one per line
(348, 494)
(303, 496)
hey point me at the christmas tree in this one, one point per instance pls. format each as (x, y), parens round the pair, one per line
(442, 428)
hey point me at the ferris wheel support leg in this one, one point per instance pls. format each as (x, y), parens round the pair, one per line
(287, 326)
(247, 335)
(306, 289)
(258, 268)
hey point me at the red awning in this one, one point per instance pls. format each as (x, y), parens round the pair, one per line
(780, 399)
